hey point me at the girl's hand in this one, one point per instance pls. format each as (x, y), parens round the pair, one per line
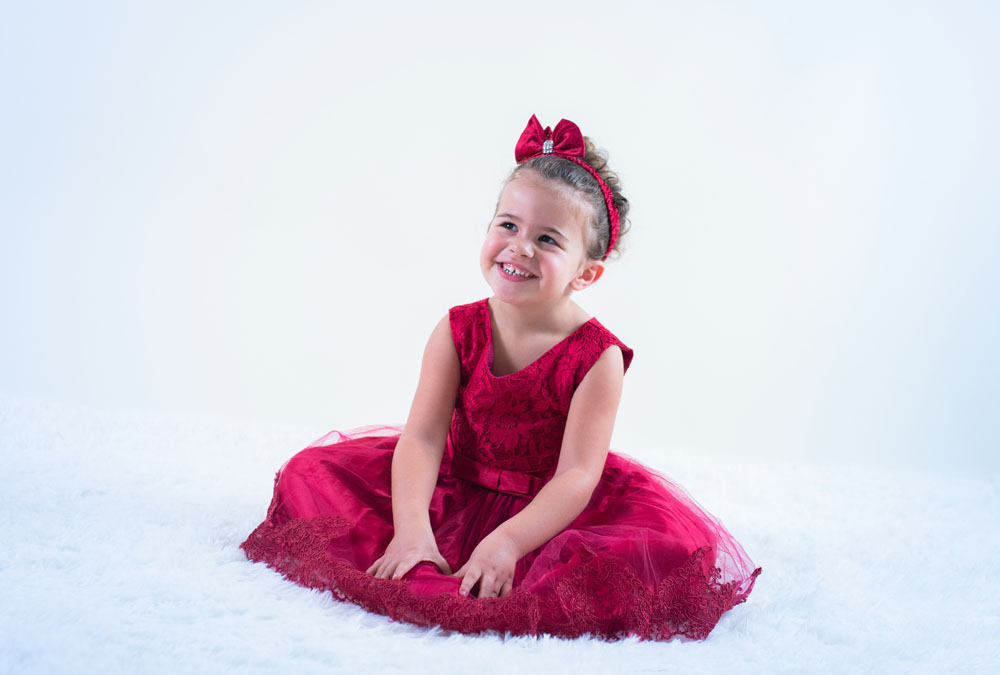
(492, 565)
(405, 551)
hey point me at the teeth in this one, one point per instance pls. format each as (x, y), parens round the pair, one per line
(511, 270)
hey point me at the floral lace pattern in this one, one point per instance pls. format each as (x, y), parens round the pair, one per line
(601, 596)
(517, 421)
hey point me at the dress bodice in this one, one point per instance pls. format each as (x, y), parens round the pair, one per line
(515, 422)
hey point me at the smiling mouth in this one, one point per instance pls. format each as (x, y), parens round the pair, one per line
(512, 271)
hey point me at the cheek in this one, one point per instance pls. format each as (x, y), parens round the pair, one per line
(489, 250)
(493, 243)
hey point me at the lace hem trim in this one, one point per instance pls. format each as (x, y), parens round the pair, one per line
(601, 596)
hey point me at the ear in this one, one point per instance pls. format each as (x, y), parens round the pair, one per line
(591, 272)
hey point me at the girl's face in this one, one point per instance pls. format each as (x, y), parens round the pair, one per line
(536, 245)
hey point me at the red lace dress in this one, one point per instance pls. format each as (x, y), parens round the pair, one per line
(641, 559)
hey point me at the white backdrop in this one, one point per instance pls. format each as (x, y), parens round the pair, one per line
(259, 210)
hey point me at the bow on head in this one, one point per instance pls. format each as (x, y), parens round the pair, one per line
(566, 140)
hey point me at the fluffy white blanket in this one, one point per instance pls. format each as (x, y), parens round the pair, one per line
(120, 537)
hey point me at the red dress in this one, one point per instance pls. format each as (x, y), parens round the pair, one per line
(641, 559)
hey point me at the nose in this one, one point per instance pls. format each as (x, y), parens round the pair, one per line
(519, 246)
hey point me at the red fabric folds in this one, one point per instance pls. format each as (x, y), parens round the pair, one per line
(641, 559)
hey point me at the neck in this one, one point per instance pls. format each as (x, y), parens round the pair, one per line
(550, 317)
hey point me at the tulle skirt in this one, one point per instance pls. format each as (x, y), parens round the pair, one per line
(641, 559)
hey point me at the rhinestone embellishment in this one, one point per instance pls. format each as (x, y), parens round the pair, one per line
(547, 147)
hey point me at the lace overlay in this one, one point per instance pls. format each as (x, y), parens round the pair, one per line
(516, 421)
(602, 597)
(641, 559)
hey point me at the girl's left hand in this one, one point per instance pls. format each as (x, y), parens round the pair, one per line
(492, 565)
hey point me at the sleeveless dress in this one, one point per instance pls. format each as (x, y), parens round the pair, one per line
(641, 559)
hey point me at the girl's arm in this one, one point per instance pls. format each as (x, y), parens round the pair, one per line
(589, 424)
(416, 460)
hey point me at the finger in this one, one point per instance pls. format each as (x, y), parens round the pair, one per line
(388, 569)
(374, 567)
(486, 589)
(443, 565)
(469, 580)
(506, 588)
(402, 569)
(461, 571)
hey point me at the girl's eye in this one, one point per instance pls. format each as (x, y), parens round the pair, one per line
(511, 227)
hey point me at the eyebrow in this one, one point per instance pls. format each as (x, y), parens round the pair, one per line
(544, 228)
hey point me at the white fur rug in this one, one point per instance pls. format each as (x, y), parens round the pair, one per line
(120, 537)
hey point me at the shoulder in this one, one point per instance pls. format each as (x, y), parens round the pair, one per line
(467, 318)
(467, 327)
(440, 341)
(601, 341)
(594, 343)
(608, 369)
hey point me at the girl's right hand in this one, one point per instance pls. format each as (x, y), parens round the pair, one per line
(406, 551)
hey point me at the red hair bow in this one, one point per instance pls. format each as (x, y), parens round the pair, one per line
(565, 140)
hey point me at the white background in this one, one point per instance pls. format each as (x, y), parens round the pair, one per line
(259, 210)
(227, 228)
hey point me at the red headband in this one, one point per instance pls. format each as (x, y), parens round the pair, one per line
(565, 141)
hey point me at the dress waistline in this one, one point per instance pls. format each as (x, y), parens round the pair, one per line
(515, 483)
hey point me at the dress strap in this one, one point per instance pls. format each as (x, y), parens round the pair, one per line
(469, 335)
(589, 347)
(515, 483)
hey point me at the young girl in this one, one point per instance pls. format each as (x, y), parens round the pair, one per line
(498, 505)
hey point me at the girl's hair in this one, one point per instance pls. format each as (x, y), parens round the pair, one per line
(571, 174)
